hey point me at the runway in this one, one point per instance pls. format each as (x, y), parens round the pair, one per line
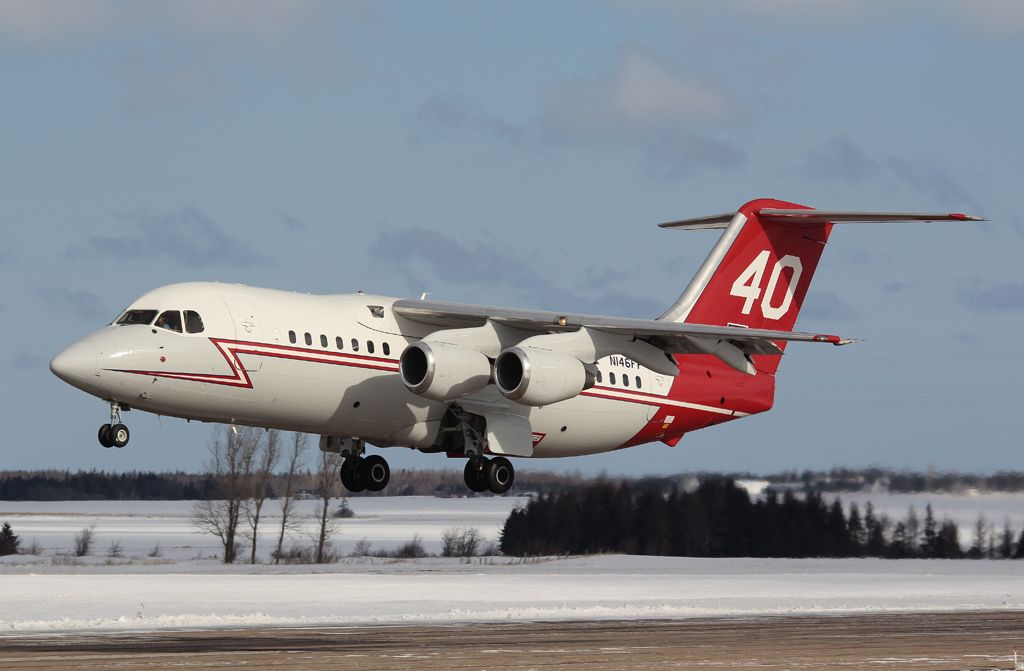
(933, 641)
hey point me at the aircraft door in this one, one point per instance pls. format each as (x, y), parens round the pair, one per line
(247, 326)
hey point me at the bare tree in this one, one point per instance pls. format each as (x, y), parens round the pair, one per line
(84, 540)
(326, 482)
(287, 502)
(230, 468)
(266, 460)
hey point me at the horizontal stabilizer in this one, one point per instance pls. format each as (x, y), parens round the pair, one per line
(795, 216)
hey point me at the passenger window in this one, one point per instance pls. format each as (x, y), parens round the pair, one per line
(193, 322)
(339, 342)
(309, 339)
(369, 346)
(611, 378)
(637, 381)
(291, 337)
(323, 341)
(599, 376)
(386, 348)
(355, 345)
(625, 380)
(170, 320)
(137, 317)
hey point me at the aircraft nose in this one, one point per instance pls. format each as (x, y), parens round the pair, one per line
(76, 365)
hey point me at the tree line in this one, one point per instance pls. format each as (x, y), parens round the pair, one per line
(56, 485)
(178, 486)
(719, 519)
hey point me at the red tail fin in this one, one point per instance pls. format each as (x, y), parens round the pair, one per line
(757, 275)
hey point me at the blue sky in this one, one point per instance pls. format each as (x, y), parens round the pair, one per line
(520, 154)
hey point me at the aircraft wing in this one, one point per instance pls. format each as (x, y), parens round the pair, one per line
(670, 337)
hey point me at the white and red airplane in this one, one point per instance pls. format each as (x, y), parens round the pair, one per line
(468, 380)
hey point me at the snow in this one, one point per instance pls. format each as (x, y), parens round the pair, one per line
(134, 598)
(187, 588)
(386, 522)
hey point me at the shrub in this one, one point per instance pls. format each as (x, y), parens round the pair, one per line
(84, 540)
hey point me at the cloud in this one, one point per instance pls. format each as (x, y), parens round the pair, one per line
(895, 287)
(996, 18)
(991, 297)
(187, 237)
(649, 103)
(454, 262)
(999, 18)
(27, 361)
(439, 112)
(825, 305)
(293, 224)
(85, 305)
(44, 22)
(152, 87)
(841, 159)
(645, 104)
(965, 338)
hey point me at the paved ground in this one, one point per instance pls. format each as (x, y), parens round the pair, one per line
(886, 641)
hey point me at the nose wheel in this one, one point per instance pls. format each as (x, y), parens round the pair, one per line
(114, 434)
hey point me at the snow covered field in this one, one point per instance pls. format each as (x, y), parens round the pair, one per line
(185, 587)
(386, 522)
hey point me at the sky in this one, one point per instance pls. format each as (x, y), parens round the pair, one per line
(520, 154)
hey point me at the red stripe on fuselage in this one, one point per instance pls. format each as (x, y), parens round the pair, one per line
(239, 377)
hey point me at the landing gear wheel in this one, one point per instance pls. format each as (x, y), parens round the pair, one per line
(351, 479)
(473, 474)
(119, 435)
(499, 474)
(104, 436)
(374, 472)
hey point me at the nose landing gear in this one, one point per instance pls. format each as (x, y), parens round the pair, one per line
(114, 434)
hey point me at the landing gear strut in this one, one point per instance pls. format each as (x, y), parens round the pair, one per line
(114, 434)
(358, 473)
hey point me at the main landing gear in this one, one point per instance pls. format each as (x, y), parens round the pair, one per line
(114, 434)
(371, 473)
(482, 474)
(358, 473)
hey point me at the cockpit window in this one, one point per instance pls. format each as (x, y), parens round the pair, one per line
(170, 320)
(193, 322)
(137, 317)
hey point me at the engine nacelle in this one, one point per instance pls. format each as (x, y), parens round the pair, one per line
(539, 377)
(441, 372)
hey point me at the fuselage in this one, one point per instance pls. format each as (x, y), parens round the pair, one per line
(328, 364)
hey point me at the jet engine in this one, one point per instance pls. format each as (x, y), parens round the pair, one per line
(538, 377)
(441, 371)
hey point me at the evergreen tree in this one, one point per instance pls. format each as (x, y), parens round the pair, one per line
(929, 542)
(9, 542)
(948, 541)
(1006, 542)
(856, 531)
(876, 546)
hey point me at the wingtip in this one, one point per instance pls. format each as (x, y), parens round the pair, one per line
(960, 216)
(835, 340)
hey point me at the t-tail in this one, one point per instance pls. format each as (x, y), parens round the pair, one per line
(759, 271)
